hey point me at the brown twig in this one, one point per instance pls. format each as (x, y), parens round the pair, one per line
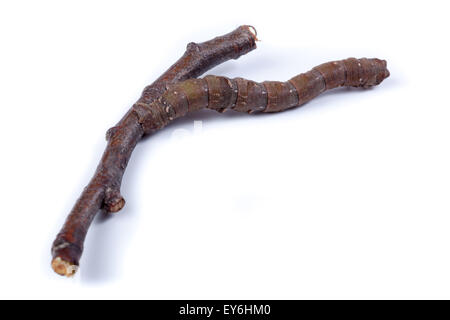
(103, 191)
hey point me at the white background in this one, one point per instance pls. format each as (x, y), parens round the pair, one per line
(345, 197)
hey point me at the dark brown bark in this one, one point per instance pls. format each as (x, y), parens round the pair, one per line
(103, 191)
(220, 93)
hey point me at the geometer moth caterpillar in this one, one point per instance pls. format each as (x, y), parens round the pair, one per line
(171, 96)
(221, 93)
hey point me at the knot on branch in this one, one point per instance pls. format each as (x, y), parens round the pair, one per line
(111, 131)
(192, 46)
(113, 201)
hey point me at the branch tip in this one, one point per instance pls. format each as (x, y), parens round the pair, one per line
(253, 31)
(64, 268)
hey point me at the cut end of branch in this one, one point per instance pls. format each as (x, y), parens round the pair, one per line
(253, 31)
(386, 71)
(64, 268)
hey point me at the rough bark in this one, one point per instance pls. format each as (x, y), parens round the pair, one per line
(103, 191)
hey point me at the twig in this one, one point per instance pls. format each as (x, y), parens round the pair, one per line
(103, 191)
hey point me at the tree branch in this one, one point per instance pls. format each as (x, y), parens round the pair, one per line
(103, 191)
